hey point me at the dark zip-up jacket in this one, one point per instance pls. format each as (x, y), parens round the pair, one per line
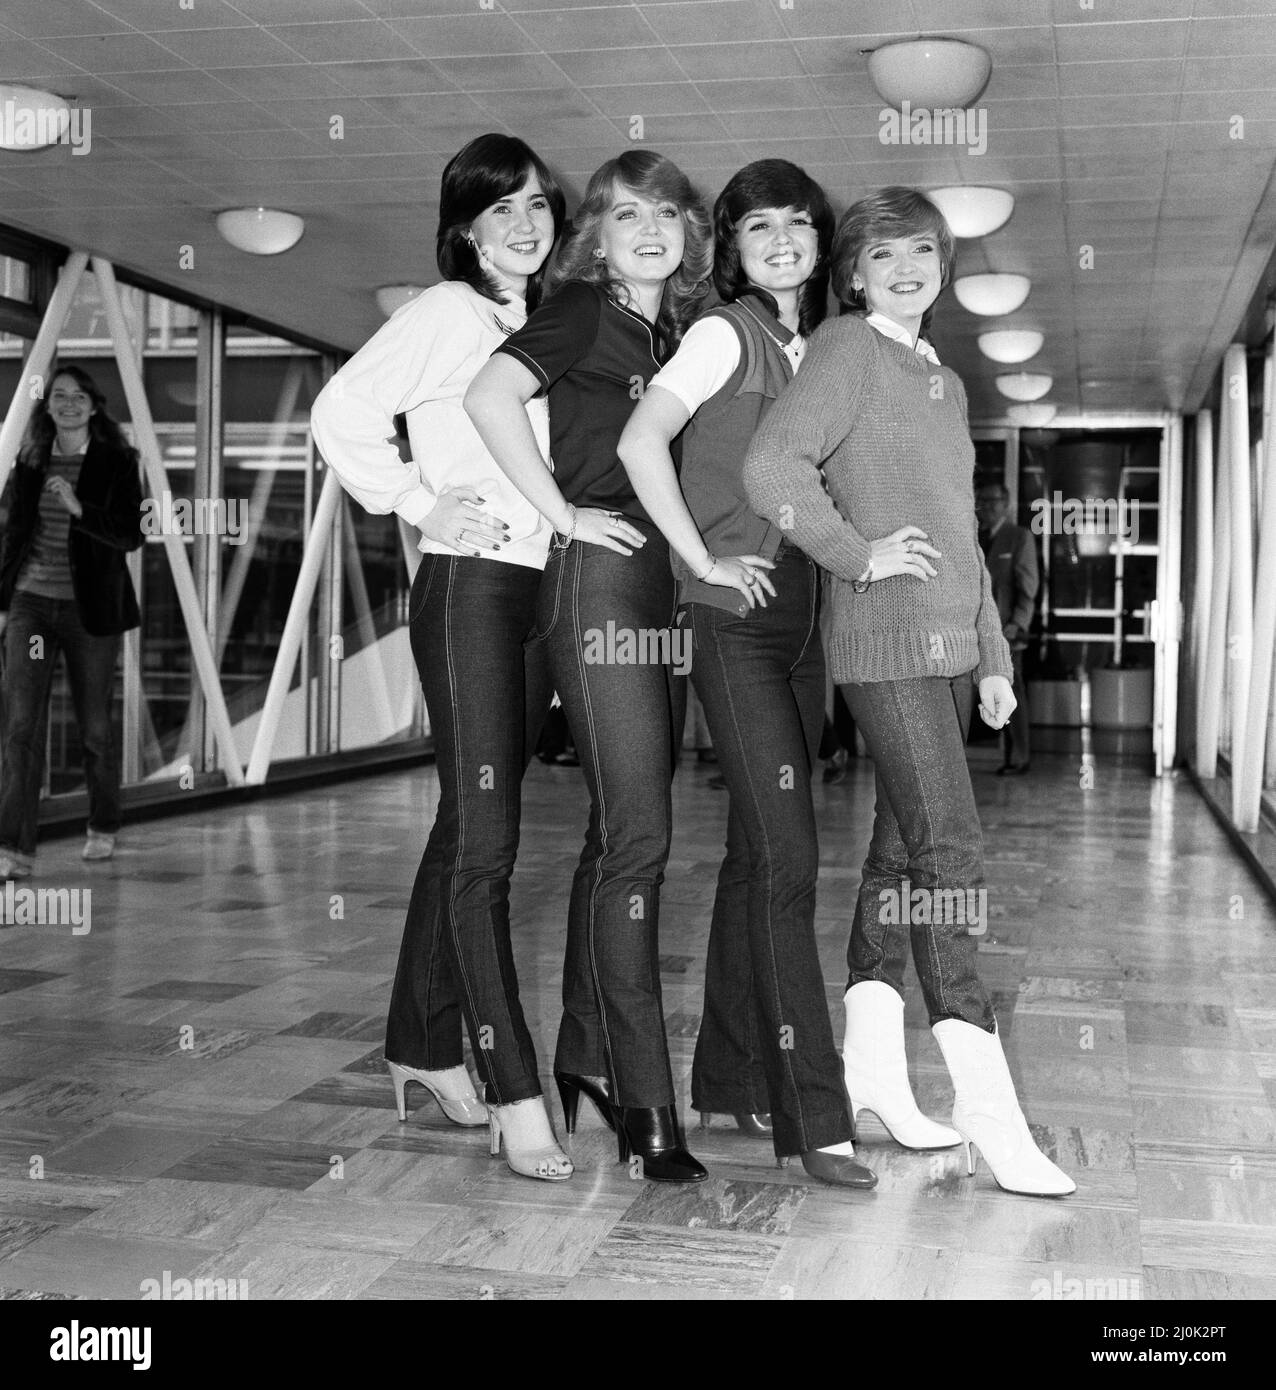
(110, 491)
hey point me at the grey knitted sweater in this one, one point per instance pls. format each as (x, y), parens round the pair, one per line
(869, 437)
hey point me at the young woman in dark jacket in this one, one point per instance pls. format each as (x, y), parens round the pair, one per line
(74, 512)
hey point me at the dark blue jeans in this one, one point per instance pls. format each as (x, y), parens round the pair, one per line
(926, 857)
(765, 1030)
(28, 679)
(487, 696)
(597, 610)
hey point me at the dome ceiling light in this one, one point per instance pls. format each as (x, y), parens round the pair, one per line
(1011, 345)
(971, 210)
(1024, 386)
(991, 293)
(260, 231)
(933, 73)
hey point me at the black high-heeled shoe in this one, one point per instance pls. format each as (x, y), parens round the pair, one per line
(756, 1124)
(840, 1169)
(570, 1089)
(652, 1135)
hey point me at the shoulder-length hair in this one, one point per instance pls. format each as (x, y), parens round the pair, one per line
(489, 168)
(37, 442)
(888, 213)
(772, 183)
(647, 175)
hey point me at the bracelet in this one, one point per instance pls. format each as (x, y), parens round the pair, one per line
(713, 560)
(564, 540)
(860, 585)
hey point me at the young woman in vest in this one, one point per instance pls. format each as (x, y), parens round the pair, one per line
(751, 599)
(629, 279)
(868, 456)
(471, 608)
(75, 503)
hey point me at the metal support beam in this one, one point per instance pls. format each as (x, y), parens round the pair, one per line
(1249, 754)
(152, 462)
(1210, 711)
(1240, 607)
(298, 613)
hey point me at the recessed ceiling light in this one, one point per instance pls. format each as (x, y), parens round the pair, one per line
(1011, 344)
(260, 231)
(991, 293)
(934, 73)
(971, 210)
(1024, 386)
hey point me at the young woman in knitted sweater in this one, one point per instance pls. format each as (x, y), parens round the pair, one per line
(866, 462)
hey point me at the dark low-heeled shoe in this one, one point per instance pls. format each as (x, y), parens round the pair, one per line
(757, 1125)
(570, 1089)
(652, 1135)
(841, 1169)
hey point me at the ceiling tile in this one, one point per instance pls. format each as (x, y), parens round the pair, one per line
(153, 19)
(708, 61)
(462, 35)
(37, 19)
(228, 48)
(175, 87)
(1099, 41)
(341, 41)
(388, 76)
(702, 22)
(1102, 79)
(504, 71)
(612, 26)
(113, 53)
(295, 80)
(603, 67)
(651, 99)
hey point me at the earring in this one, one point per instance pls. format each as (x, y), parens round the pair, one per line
(599, 253)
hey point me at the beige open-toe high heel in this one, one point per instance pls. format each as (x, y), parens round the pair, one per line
(453, 1089)
(531, 1150)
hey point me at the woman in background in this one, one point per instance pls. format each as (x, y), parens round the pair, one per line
(628, 283)
(471, 609)
(765, 1044)
(868, 456)
(74, 501)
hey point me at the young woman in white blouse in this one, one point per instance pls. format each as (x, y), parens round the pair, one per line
(765, 1052)
(472, 605)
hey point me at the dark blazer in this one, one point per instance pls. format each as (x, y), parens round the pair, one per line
(1011, 556)
(110, 491)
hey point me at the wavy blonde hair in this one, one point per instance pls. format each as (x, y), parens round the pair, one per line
(649, 175)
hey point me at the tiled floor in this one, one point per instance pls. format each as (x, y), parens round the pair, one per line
(195, 1089)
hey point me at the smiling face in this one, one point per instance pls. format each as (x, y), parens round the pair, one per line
(69, 404)
(516, 233)
(900, 277)
(642, 241)
(778, 247)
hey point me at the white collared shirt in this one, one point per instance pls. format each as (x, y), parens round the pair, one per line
(888, 328)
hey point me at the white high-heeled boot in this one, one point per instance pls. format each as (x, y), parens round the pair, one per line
(877, 1069)
(452, 1088)
(986, 1112)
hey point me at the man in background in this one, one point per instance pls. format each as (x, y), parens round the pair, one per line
(1011, 556)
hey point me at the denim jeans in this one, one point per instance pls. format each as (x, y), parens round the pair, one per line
(90, 668)
(487, 696)
(626, 720)
(761, 679)
(926, 837)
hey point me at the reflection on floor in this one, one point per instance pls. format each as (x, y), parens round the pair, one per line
(194, 1088)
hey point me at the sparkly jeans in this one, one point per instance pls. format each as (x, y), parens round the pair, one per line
(926, 854)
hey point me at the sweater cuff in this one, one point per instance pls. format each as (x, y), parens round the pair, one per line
(994, 660)
(417, 505)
